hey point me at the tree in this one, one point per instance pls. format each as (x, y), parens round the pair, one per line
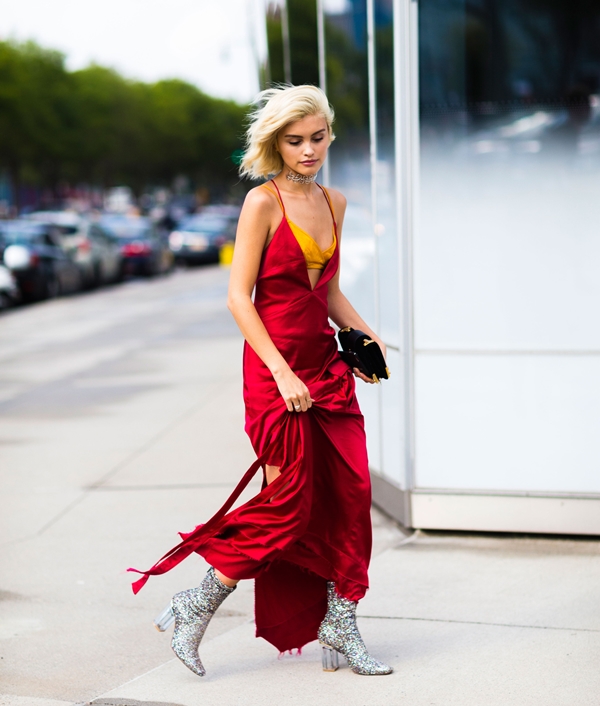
(346, 64)
(36, 113)
(96, 127)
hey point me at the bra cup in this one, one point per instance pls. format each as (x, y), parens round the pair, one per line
(316, 259)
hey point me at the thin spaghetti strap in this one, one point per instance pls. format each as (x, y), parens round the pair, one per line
(328, 199)
(276, 195)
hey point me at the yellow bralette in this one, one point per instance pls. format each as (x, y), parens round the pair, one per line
(316, 259)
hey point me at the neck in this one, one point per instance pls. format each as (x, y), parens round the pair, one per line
(292, 181)
(298, 178)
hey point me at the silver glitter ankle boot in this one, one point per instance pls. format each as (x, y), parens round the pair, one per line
(339, 632)
(193, 610)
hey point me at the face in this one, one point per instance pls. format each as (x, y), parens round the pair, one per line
(303, 145)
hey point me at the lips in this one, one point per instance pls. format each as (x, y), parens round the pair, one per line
(309, 163)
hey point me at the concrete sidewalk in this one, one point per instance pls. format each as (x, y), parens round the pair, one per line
(463, 620)
(121, 422)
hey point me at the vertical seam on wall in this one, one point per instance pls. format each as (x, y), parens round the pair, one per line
(322, 74)
(371, 70)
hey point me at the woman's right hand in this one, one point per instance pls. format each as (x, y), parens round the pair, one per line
(293, 390)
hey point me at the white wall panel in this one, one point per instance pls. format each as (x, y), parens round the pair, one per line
(392, 422)
(506, 513)
(505, 263)
(519, 422)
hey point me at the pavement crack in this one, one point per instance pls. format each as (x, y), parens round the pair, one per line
(476, 622)
(59, 515)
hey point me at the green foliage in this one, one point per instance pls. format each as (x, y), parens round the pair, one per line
(346, 65)
(303, 41)
(347, 85)
(95, 126)
(302, 19)
(275, 45)
(36, 110)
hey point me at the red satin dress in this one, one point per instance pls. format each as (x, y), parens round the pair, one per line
(312, 524)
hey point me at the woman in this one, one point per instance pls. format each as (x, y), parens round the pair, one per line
(306, 537)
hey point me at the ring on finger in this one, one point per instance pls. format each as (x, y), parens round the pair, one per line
(297, 407)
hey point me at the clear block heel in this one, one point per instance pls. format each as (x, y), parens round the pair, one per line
(330, 659)
(164, 619)
(339, 633)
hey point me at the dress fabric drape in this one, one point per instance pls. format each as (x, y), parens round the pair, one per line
(312, 524)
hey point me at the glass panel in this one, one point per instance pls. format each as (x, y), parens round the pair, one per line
(385, 206)
(386, 229)
(392, 422)
(347, 88)
(507, 249)
(302, 23)
(510, 162)
(512, 423)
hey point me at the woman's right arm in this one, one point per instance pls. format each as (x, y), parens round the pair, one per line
(256, 222)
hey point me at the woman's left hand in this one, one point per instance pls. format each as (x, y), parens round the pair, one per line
(362, 376)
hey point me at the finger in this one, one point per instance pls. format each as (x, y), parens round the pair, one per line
(303, 404)
(297, 405)
(309, 403)
(363, 377)
(359, 374)
(290, 406)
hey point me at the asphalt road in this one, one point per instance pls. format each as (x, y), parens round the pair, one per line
(121, 423)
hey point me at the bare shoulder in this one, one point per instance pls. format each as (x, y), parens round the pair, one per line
(338, 200)
(260, 217)
(260, 200)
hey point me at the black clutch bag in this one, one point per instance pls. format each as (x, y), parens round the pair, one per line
(362, 352)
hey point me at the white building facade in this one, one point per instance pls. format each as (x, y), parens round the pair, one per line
(472, 244)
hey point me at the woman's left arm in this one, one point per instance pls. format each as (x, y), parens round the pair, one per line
(341, 312)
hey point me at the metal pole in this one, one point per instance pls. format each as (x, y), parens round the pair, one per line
(372, 77)
(252, 37)
(414, 138)
(267, 74)
(326, 174)
(321, 45)
(407, 160)
(373, 144)
(285, 35)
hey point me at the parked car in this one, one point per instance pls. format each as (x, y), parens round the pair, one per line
(95, 252)
(9, 290)
(144, 247)
(34, 254)
(199, 238)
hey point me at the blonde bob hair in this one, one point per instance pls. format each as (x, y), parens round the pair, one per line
(276, 108)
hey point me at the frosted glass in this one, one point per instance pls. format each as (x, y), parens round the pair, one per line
(392, 422)
(519, 422)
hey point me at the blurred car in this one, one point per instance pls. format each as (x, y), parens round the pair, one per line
(96, 253)
(143, 246)
(199, 238)
(9, 290)
(34, 254)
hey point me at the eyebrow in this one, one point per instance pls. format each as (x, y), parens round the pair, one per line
(314, 133)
